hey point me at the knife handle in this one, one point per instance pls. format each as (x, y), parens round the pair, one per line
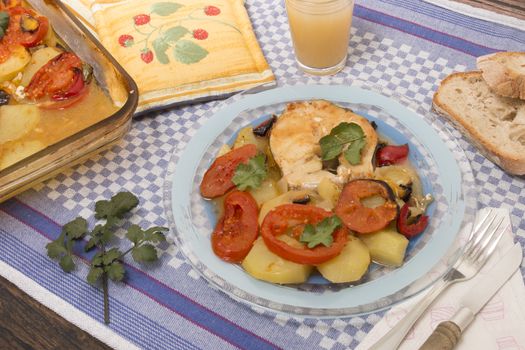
(445, 337)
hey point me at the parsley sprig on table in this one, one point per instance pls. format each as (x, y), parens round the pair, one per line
(346, 138)
(107, 262)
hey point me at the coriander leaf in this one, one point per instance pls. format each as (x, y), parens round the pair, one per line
(90, 244)
(97, 260)
(102, 209)
(353, 152)
(106, 235)
(320, 233)
(344, 134)
(110, 256)
(55, 249)
(347, 132)
(251, 174)
(4, 23)
(155, 234)
(122, 203)
(66, 263)
(330, 147)
(116, 271)
(76, 229)
(135, 234)
(144, 253)
(94, 274)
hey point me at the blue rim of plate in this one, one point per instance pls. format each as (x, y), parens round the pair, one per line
(371, 296)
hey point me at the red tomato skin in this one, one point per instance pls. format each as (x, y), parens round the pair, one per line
(66, 103)
(15, 35)
(410, 230)
(237, 229)
(218, 178)
(390, 155)
(277, 222)
(76, 87)
(359, 218)
(56, 77)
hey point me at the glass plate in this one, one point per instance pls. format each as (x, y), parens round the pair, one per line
(442, 166)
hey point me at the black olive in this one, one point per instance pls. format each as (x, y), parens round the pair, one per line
(4, 98)
(304, 200)
(407, 191)
(263, 128)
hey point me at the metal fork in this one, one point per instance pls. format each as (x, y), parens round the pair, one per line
(481, 243)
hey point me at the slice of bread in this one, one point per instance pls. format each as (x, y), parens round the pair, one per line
(494, 124)
(504, 72)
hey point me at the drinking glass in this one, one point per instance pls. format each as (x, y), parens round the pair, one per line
(320, 33)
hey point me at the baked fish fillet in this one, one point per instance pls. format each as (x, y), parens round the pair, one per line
(294, 142)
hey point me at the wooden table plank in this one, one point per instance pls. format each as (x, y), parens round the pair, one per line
(513, 8)
(27, 324)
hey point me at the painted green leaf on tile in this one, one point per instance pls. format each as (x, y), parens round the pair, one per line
(188, 52)
(160, 47)
(165, 8)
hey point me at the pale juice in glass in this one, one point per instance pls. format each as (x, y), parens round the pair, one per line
(320, 33)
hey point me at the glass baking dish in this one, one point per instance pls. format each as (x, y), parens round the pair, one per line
(113, 80)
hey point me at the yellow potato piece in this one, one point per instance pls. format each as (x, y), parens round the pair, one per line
(285, 198)
(17, 120)
(223, 150)
(267, 191)
(38, 60)
(350, 265)
(18, 59)
(19, 151)
(329, 191)
(264, 265)
(387, 247)
(246, 137)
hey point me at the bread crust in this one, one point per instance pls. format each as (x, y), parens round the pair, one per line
(504, 77)
(503, 158)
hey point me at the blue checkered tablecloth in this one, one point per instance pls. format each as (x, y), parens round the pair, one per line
(407, 46)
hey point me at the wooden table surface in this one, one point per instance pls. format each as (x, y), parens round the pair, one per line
(27, 324)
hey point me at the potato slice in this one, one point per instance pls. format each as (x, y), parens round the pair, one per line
(223, 150)
(18, 59)
(17, 120)
(329, 190)
(246, 137)
(38, 60)
(285, 198)
(350, 265)
(387, 247)
(19, 151)
(266, 192)
(262, 264)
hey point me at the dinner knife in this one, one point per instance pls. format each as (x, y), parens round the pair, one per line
(447, 334)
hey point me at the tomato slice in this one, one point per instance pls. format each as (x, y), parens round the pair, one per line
(28, 37)
(363, 219)
(56, 77)
(295, 216)
(218, 179)
(65, 103)
(238, 228)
